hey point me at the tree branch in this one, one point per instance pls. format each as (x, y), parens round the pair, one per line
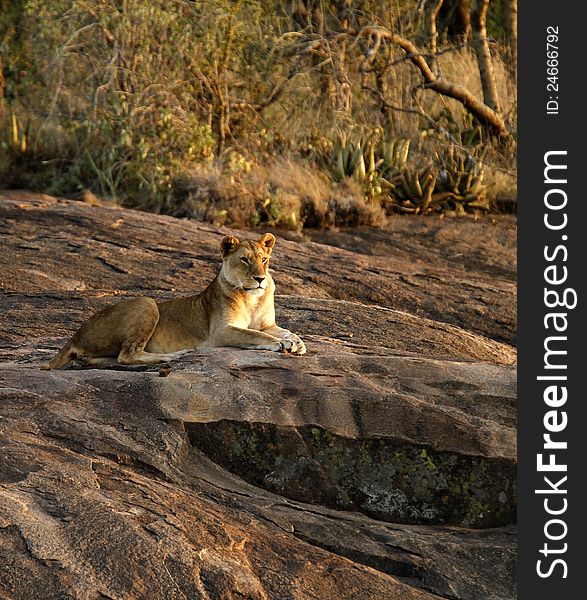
(484, 113)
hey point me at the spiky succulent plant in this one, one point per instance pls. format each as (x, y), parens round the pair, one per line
(460, 178)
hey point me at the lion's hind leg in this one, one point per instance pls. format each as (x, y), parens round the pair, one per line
(136, 335)
(98, 361)
(122, 330)
(138, 326)
(140, 357)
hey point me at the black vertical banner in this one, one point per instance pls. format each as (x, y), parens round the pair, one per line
(552, 297)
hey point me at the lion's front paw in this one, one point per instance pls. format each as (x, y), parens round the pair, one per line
(274, 347)
(297, 345)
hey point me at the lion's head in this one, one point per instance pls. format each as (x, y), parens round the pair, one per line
(245, 265)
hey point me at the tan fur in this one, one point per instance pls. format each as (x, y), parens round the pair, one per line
(236, 309)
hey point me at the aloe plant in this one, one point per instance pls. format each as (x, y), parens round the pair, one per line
(392, 155)
(348, 160)
(413, 189)
(452, 181)
(460, 178)
(18, 135)
(370, 161)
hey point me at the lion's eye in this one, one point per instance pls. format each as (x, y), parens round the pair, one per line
(264, 261)
(245, 260)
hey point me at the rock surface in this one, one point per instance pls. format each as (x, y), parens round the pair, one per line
(380, 465)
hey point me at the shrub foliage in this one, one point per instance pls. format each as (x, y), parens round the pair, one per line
(282, 112)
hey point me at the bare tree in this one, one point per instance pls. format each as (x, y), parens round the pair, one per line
(510, 25)
(482, 111)
(340, 59)
(431, 10)
(335, 49)
(479, 25)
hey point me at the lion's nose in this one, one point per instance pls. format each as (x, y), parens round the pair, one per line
(259, 279)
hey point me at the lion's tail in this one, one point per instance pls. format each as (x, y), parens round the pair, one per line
(62, 357)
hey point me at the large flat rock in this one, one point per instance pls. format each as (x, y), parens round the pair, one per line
(91, 515)
(460, 272)
(379, 465)
(103, 492)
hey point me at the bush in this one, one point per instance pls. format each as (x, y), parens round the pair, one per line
(288, 194)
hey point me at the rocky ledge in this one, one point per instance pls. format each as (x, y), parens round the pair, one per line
(379, 465)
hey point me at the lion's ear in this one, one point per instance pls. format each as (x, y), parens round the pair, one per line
(267, 241)
(228, 244)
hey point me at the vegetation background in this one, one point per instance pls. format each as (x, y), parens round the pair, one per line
(290, 113)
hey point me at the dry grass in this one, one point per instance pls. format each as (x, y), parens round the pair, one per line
(287, 193)
(502, 188)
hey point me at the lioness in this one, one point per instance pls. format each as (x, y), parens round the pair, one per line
(236, 309)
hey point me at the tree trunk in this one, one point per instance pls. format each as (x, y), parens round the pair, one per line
(478, 24)
(339, 60)
(431, 9)
(454, 19)
(510, 25)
